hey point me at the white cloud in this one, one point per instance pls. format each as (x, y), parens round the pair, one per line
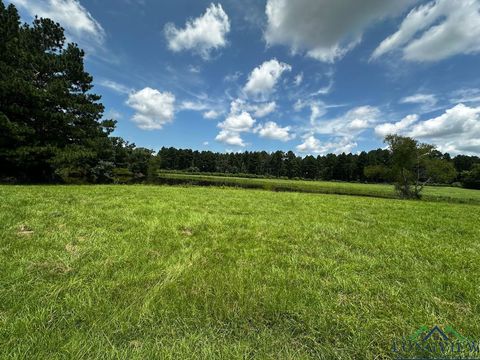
(312, 145)
(153, 108)
(459, 120)
(353, 122)
(262, 110)
(425, 99)
(232, 77)
(77, 21)
(259, 110)
(466, 96)
(239, 120)
(117, 87)
(383, 130)
(113, 114)
(194, 69)
(325, 29)
(201, 35)
(264, 78)
(436, 31)
(272, 130)
(298, 79)
(324, 90)
(208, 110)
(457, 130)
(242, 122)
(211, 114)
(230, 138)
(317, 110)
(194, 106)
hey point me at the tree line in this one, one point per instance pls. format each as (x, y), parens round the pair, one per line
(52, 130)
(372, 166)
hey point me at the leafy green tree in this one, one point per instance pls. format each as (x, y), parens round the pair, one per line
(414, 165)
(50, 124)
(440, 171)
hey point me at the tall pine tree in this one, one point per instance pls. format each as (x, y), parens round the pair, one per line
(50, 122)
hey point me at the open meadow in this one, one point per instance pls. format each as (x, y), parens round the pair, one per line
(144, 272)
(430, 193)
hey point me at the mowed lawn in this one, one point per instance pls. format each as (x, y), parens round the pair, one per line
(158, 272)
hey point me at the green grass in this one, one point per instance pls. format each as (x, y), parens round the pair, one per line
(430, 193)
(157, 272)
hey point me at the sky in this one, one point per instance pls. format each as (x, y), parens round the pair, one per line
(312, 76)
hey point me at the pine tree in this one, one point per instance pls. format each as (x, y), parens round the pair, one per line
(50, 122)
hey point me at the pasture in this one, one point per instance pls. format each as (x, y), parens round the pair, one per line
(430, 193)
(164, 272)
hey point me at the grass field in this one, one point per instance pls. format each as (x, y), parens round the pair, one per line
(163, 272)
(430, 193)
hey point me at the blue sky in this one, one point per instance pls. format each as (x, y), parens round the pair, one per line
(312, 76)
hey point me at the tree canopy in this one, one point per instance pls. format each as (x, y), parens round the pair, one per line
(414, 164)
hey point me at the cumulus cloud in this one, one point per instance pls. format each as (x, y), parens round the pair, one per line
(459, 120)
(325, 29)
(312, 145)
(264, 78)
(242, 122)
(272, 130)
(353, 122)
(383, 130)
(230, 138)
(457, 130)
(425, 99)
(201, 35)
(339, 131)
(153, 109)
(77, 21)
(262, 110)
(435, 31)
(259, 110)
(238, 121)
(211, 114)
(234, 124)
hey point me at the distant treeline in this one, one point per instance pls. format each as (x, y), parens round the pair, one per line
(372, 166)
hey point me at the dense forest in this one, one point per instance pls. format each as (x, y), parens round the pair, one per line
(52, 128)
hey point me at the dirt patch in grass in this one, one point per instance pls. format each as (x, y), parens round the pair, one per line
(186, 231)
(24, 230)
(72, 249)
